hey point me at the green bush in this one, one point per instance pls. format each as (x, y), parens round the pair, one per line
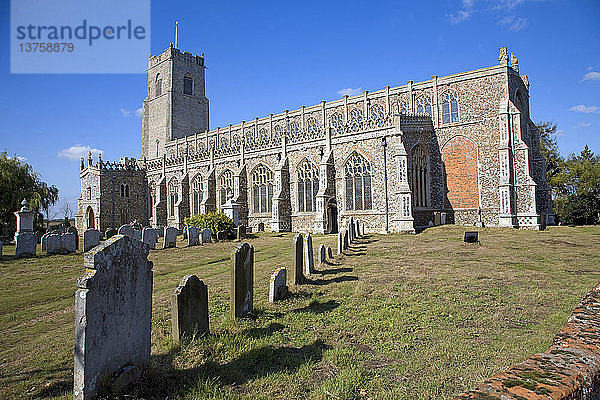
(213, 221)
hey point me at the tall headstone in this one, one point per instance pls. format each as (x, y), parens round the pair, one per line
(206, 235)
(277, 286)
(322, 254)
(329, 253)
(73, 230)
(150, 236)
(340, 242)
(43, 241)
(242, 280)
(193, 236)
(170, 237)
(350, 230)
(112, 321)
(91, 239)
(240, 232)
(346, 240)
(25, 239)
(298, 260)
(137, 234)
(356, 230)
(189, 308)
(126, 230)
(309, 258)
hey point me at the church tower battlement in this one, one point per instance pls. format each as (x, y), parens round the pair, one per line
(176, 105)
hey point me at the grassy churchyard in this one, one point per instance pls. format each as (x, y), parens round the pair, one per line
(398, 317)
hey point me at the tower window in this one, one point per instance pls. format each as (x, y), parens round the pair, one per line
(124, 190)
(188, 84)
(89, 193)
(158, 86)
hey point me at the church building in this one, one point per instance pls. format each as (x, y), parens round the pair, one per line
(457, 149)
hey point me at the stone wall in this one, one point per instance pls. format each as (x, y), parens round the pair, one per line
(569, 369)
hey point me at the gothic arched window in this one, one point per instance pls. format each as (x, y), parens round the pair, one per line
(424, 105)
(188, 84)
(400, 107)
(312, 127)
(89, 193)
(157, 86)
(225, 186)
(277, 132)
(224, 142)
(262, 189)
(173, 196)
(357, 172)
(124, 190)
(308, 186)
(236, 141)
(419, 176)
(336, 121)
(449, 108)
(197, 194)
(377, 114)
(356, 117)
(294, 129)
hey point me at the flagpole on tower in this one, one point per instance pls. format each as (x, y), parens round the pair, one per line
(176, 23)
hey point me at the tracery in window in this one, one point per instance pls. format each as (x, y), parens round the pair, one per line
(357, 171)
(294, 129)
(225, 186)
(173, 195)
(197, 194)
(424, 105)
(263, 135)
(124, 190)
(449, 108)
(262, 189)
(336, 121)
(419, 177)
(308, 186)
(377, 114)
(400, 107)
(356, 118)
(312, 127)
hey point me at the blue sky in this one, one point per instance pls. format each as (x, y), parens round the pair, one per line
(263, 57)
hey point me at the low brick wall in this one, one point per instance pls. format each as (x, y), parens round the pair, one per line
(568, 370)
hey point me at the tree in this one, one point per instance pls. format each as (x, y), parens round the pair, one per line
(576, 189)
(549, 148)
(19, 181)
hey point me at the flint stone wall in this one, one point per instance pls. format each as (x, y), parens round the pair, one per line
(569, 369)
(113, 310)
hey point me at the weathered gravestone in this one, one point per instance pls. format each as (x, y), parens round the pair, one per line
(350, 230)
(137, 234)
(329, 253)
(242, 280)
(206, 235)
(221, 236)
(277, 287)
(25, 239)
(309, 258)
(43, 240)
(241, 232)
(260, 227)
(74, 231)
(91, 238)
(113, 311)
(189, 308)
(160, 230)
(68, 242)
(340, 242)
(126, 230)
(298, 260)
(150, 236)
(356, 229)
(170, 237)
(346, 240)
(53, 243)
(322, 254)
(110, 232)
(193, 236)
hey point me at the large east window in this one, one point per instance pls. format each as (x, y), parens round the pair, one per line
(358, 183)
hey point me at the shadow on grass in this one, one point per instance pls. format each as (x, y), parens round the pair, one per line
(258, 333)
(338, 279)
(163, 379)
(317, 307)
(333, 271)
(57, 387)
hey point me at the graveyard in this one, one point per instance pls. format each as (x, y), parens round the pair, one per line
(394, 316)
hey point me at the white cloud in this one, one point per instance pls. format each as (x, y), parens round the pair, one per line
(508, 4)
(78, 151)
(124, 112)
(560, 132)
(513, 23)
(138, 112)
(349, 91)
(592, 76)
(128, 113)
(583, 125)
(464, 14)
(585, 109)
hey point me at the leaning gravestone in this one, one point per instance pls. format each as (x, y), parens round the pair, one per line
(149, 236)
(241, 232)
(322, 254)
(91, 239)
(340, 242)
(329, 253)
(193, 236)
(298, 260)
(242, 280)
(126, 230)
(277, 287)
(309, 259)
(189, 308)
(170, 237)
(110, 232)
(206, 235)
(137, 234)
(112, 321)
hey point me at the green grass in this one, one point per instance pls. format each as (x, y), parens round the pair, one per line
(398, 317)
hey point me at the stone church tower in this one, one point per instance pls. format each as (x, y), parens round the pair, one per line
(176, 105)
